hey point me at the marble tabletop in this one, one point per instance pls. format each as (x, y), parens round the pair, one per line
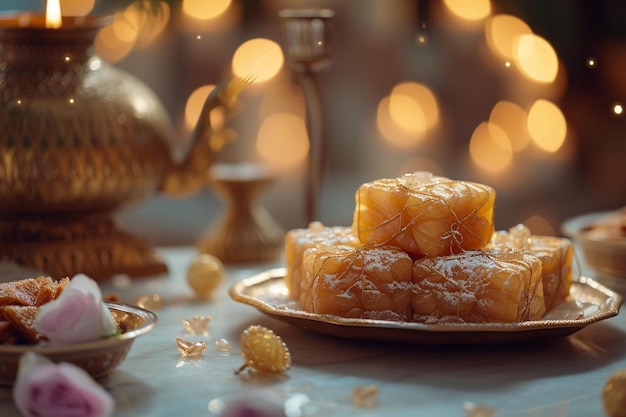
(547, 378)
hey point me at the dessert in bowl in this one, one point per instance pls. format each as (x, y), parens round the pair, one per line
(99, 358)
(66, 321)
(602, 238)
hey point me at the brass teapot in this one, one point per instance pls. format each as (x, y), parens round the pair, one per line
(79, 139)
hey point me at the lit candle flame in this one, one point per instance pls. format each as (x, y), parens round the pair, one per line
(53, 14)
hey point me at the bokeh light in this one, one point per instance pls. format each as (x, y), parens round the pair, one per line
(512, 119)
(537, 58)
(194, 105)
(282, 98)
(490, 148)
(618, 109)
(404, 117)
(77, 7)
(136, 24)
(205, 9)
(591, 62)
(282, 141)
(538, 225)
(111, 48)
(126, 25)
(421, 100)
(502, 33)
(469, 9)
(547, 125)
(407, 114)
(391, 132)
(156, 23)
(259, 57)
(201, 25)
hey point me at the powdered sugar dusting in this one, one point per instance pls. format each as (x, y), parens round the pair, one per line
(365, 282)
(425, 214)
(477, 286)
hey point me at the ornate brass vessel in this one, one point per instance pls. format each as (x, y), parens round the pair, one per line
(78, 140)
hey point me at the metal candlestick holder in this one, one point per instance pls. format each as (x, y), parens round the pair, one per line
(307, 50)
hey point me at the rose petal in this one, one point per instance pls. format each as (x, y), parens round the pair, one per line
(43, 388)
(78, 315)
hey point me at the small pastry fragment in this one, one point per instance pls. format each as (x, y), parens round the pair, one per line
(366, 282)
(31, 291)
(197, 324)
(366, 396)
(478, 410)
(222, 346)
(556, 255)
(150, 301)
(425, 214)
(19, 304)
(478, 287)
(189, 349)
(316, 235)
(22, 318)
(614, 394)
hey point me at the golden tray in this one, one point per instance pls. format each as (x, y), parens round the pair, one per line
(589, 302)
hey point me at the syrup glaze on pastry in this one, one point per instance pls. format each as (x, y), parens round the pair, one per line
(424, 214)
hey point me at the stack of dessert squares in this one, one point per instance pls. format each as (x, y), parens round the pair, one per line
(423, 248)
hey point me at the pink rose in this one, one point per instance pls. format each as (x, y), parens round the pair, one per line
(44, 388)
(78, 315)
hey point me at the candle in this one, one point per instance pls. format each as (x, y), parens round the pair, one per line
(53, 14)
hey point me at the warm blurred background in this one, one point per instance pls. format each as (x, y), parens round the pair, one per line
(524, 96)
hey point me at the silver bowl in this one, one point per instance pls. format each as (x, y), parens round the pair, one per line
(604, 255)
(98, 358)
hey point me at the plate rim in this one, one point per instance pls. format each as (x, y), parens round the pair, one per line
(573, 228)
(610, 309)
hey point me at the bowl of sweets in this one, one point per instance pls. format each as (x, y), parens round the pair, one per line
(601, 237)
(19, 303)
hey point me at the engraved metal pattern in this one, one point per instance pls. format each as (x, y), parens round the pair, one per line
(79, 139)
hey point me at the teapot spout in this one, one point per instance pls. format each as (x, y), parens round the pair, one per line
(189, 172)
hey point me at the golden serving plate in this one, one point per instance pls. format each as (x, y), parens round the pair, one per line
(98, 358)
(589, 302)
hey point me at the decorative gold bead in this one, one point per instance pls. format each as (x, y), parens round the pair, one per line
(614, 394)
(204, 274)
(264, 351)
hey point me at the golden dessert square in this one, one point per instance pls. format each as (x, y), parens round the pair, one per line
(23, 292)
(22, 318)
(425, 214)
(478, 287)
(365, 282)
(19, 305)
(317, 235)
(556, 255)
